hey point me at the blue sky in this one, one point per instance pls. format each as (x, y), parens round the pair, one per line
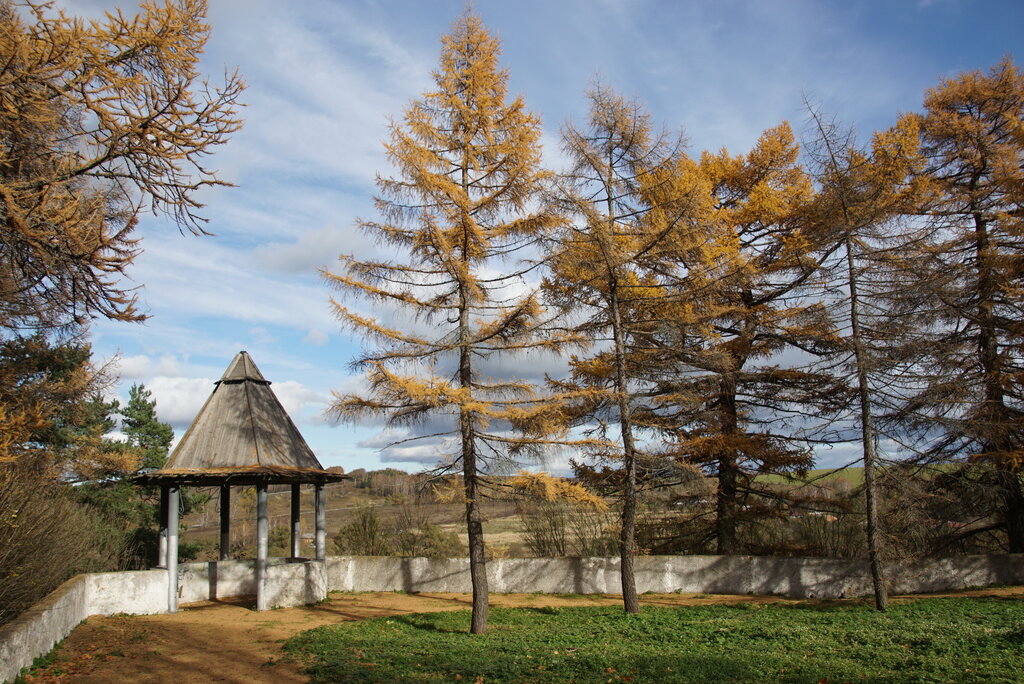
(325, 76)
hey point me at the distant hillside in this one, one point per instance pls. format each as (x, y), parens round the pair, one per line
(854, 476)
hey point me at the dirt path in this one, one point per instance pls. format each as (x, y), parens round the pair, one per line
(227, 641)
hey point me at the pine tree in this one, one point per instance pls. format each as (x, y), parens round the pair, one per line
(140, 425)
(965, 283)
(458, 213)
(52, 418)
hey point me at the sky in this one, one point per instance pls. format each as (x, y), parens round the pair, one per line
(325, 77)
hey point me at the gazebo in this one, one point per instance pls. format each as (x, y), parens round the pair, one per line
(241, 437)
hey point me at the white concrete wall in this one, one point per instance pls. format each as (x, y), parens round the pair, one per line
(141, 592)
(210, 581)
(290, 584)
(37, 630)
(795, 577)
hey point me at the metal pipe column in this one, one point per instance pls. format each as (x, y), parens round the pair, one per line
(161, 554)
(262, 544)
(225, 522)
(296, 524)
(172, 549)
(321, 522)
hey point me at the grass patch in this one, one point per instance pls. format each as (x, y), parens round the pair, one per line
(930, 640)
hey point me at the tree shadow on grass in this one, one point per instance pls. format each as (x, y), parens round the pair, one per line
(497, 666)
(1014, 638)
(823, 605)
(428, 622)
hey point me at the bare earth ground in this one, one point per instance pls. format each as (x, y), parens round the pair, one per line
(227, 641)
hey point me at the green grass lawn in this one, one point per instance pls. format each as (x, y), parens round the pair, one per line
(930, 640)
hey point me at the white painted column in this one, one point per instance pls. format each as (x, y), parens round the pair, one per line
(161, 556)
(262, 546)
(321, 522)
(172, 549)
(296, 523)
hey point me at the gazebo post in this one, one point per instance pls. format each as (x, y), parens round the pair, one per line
(296, 524)
(172, 548)
(161, 555)
(262, 543)
(321, 522)
(225, 522)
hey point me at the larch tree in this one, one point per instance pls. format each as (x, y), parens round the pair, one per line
(965, 396)
(99, 120)
(863, 194)
(464, 204)
(599, 275)
(734, 406)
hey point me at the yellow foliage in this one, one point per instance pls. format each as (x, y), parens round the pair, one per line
(98, 120)
(463, 203)
(545, 487)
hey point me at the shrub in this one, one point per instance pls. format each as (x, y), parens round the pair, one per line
(46, 537)
(407, 534)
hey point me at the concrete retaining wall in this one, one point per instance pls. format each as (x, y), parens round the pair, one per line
(144, 592)
(290, 584)
(795, 577)
(38, 629)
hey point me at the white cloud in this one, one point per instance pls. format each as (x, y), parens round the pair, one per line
(140, 367)
(315, 336)
(312, 250)
(298, 400)
(116, 436)
(322, 83)
(216, 279)
(178, 400)
(424, 454)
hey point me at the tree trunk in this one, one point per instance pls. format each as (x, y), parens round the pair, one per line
(725, 521)
(994, 416)
(474, 529)
(627, 536)
(474, 518)
(867, 435)
(728, 472)
(1013, 507)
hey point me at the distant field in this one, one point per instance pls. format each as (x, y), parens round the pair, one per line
(502, 527)
(854, 476)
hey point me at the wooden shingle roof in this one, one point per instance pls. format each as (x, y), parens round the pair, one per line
(242, 435)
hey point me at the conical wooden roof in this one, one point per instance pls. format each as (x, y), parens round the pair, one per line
(242, 435)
